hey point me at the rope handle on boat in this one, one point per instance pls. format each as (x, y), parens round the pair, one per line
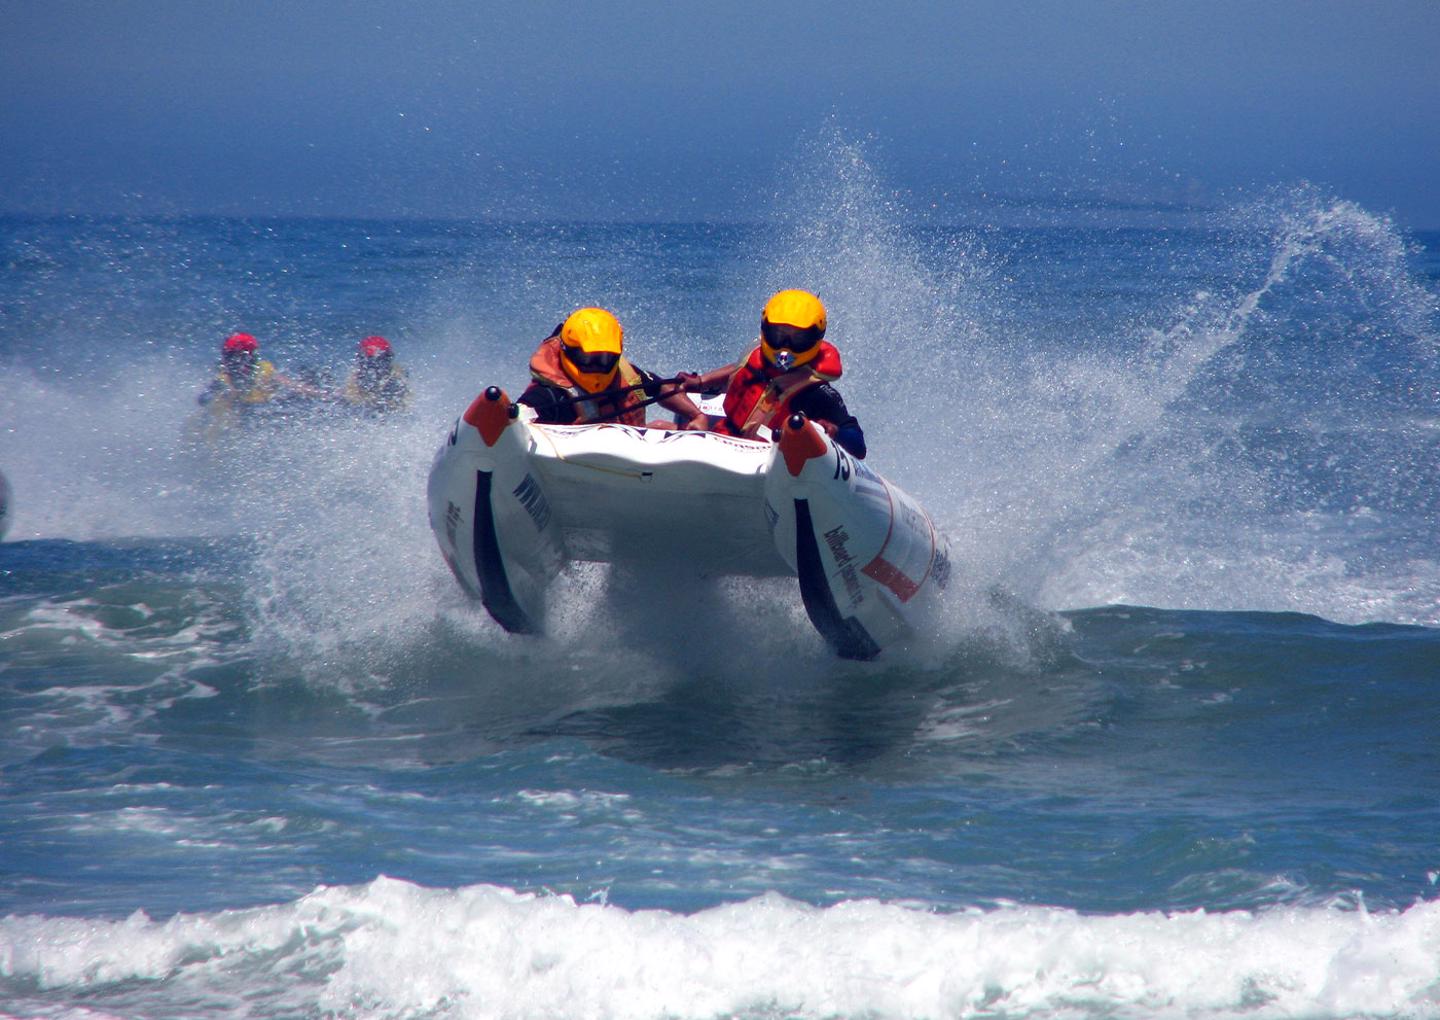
(606, 394)
(633, 407)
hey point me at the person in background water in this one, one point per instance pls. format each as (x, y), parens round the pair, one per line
(376, 384)
(579, 374)
(789, 369)
(246, 381)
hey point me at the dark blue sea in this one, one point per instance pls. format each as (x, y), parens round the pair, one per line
(1173, 751)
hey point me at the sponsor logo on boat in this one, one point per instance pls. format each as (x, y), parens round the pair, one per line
(886, 573)
(871, 487)
(940, 569)
(531, 497)
(669, 435)
(452, 521)
(914, 519)
(836, 538)
(618, 426)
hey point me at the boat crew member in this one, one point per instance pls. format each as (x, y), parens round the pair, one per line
(579, 374)
(789, 369)
(376, 385)
(246, 381)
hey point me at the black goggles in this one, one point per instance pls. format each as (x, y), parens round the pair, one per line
(791, 338)
(592, 362)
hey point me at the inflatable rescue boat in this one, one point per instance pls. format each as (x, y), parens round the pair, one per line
(511, 501)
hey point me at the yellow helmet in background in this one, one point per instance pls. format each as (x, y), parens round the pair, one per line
(591, 341)
(791, 327)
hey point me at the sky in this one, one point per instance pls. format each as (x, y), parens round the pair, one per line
(620, 109)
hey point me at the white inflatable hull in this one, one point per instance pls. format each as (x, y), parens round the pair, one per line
(511, 501)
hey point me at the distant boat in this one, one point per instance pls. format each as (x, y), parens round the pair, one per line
(4, 506)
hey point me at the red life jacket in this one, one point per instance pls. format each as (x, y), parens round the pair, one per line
(547, 369)
(760, 394)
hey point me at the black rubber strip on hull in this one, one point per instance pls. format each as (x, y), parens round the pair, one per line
(846, 636)
(495, 593)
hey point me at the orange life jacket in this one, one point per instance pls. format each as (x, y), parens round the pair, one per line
(760, 394)
(547, 369)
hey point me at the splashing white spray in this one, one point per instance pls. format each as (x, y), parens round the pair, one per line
(1099, 467)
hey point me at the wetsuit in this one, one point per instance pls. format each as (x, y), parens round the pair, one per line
(823, 403)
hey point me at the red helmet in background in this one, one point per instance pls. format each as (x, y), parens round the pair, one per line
(240, 343)
(374, 346)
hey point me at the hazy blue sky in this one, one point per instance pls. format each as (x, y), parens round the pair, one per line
(693, 110)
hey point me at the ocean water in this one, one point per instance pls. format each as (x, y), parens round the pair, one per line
(1172, 750)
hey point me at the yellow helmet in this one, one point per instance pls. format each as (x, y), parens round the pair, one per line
(591, 341)
(791, 327)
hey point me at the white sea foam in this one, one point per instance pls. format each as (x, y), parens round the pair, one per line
(146, 669)
(1109, 464)
(94, 458)
(392, 949)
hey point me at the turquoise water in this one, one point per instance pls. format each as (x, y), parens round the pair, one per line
(1172, 753)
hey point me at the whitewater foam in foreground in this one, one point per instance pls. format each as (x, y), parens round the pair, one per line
(1182, 693)
(390, 949)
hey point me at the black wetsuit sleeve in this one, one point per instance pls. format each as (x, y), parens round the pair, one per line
(649, 380)
(552, 405)
(823, 403)
(652, 382)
